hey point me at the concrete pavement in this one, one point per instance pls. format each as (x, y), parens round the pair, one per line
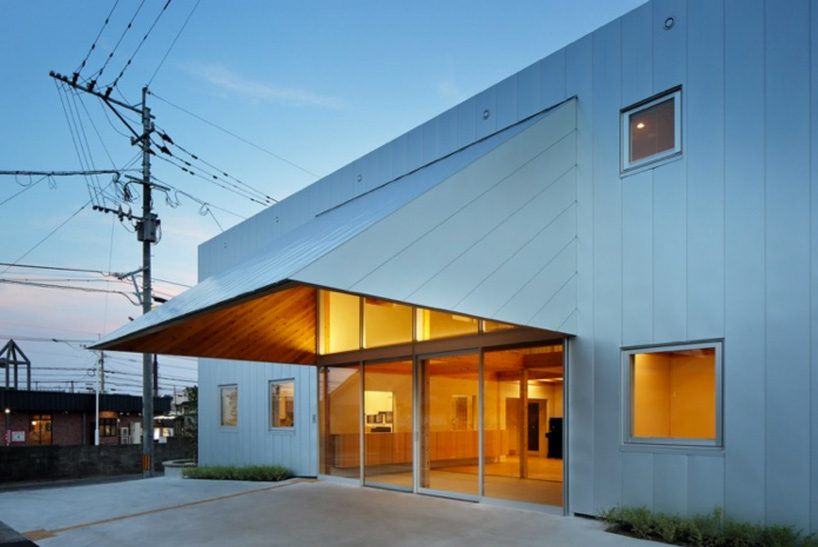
(298, 512)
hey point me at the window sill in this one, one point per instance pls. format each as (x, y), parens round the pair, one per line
(659, 448)
(650, 164)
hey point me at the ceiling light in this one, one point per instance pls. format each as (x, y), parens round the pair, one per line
(640, 125)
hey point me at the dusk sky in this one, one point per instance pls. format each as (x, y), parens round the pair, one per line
(314, 84)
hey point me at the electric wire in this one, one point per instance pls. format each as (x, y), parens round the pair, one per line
(73, 139)
(25, 189)
(214, 180)
(99, 72)
(260, 194)
(173, 43)
(235, 136)
(51, 233)
(141, 43)
(91, 164)
(68, 287)
(94, 43)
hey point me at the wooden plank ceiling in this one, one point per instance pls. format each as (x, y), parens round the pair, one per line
(277, 327)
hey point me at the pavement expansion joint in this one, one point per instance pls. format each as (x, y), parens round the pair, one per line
(40, 533)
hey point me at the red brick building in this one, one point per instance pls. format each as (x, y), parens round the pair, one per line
(58, 418)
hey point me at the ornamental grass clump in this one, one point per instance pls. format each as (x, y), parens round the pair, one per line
(710, 530)
(245, 473)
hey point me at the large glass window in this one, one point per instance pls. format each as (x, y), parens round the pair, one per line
(229, 406)
(673, 394)
(432, 324)
(523, 413)
(450, 424)
(386, 323)
(340, 402)
(282, 403)
(652, 131)
(340, 322)
(388, 423)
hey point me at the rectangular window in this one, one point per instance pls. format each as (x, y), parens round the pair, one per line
(652, 131)
(108, 427)
(674, 395)
(432, 325)
(386, 323)
(229, 407)
(40, 430)
(282, 403)
(340, 322)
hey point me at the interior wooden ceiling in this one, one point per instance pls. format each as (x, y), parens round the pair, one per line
(277, 327)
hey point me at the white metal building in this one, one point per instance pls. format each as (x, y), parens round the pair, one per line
(589, 285)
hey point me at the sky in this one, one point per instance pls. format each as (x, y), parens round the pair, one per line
(290, 91)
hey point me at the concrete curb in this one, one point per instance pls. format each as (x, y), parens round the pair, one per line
(11, 538)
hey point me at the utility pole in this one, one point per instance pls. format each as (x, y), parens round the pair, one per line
(147, 228)
(146, 233)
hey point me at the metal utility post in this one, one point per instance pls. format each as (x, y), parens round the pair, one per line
(96, 400)
(146, 233)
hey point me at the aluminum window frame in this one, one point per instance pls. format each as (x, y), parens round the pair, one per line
(629, 440)
(222, 388)
(270, 385)
(626, 165)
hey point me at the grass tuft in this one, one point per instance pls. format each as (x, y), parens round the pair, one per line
(711, 530)
(232, 473)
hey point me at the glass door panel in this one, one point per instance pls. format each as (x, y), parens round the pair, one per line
(340, 406)
(449, 421)
(388, 428)
(523, 410)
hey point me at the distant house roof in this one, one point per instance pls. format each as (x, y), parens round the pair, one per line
(57, 401)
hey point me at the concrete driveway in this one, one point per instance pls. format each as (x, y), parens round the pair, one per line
(298, 512)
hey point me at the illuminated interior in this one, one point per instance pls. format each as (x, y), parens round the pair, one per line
(341, 325)
(387, 323)
(339, 403)
(652, 130)
(388, 415)
(373, 409)
(433, 325)
(523, 390)
(674, 394)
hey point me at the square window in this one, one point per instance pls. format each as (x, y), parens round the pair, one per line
(673, 395)
(229, 413)
(282, 403)
(651, 131)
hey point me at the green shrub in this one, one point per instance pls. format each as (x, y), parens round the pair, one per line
(248, 473)
(710, 530)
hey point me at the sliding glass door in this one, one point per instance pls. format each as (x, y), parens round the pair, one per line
(449, 424)
(388, 418)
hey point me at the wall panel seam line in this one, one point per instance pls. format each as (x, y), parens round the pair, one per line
(559, 215)
(459, 209)
(502, 222)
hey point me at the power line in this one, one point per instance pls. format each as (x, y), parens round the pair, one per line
(213, 180)
(248, 188)
(94, 43)
(43, 339)
(68, 287)
(99, 72)
(25, 189)
(51, 233)
(237, 137)
(173, 43)
(141, 42)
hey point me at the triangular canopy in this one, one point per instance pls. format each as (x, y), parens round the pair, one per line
(488, 231)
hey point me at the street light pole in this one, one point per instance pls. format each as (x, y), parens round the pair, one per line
(8, 426)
